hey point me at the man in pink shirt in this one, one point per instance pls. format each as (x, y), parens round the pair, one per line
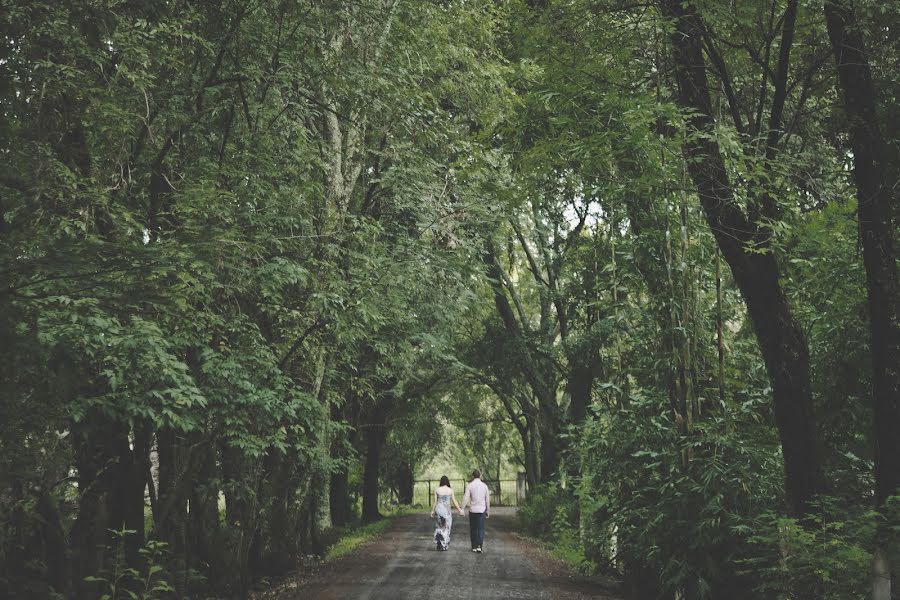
(478, 496)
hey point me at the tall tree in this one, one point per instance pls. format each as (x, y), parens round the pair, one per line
(744, 241)
(877, 199)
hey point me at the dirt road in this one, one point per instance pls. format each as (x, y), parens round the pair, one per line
(403, 563)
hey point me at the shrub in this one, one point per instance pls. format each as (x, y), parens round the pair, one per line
(551, 514)
(537, 516)
(831, 555)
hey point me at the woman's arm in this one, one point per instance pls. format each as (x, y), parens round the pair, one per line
(458, 507)
(434, 507)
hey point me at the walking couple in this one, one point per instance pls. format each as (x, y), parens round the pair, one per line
(477, 495)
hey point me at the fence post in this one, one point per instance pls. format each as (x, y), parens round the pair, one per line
(428, 502)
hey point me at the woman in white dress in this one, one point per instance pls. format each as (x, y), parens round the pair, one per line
(442, 514)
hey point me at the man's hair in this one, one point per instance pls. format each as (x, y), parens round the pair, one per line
(476, 474)
(445, 481)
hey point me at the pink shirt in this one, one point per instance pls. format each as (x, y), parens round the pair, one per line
(478, 496)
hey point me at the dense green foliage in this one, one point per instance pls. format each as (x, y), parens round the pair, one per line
(262, 260)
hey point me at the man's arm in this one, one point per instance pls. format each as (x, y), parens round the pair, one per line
(466, 496)
(487, 500)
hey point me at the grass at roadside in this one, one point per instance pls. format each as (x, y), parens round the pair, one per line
(353, 538)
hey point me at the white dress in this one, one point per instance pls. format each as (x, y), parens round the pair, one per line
(443, 521)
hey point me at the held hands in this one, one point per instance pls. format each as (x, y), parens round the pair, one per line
(462, 512)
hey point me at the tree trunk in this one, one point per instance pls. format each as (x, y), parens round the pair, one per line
(782, 343)
(532, 451)
(406, 484)
(720, 338)
(339, 498)
(374, 436)
(172, 499)
(875, 197)
(279, 538)
(321, 512)
(583, 370)
(550, 438)
(207, 556)
(237, 517)
(34, 547)
(133, 463)
(536, 372)
(687, 370)
(93, 461)
(339, 485)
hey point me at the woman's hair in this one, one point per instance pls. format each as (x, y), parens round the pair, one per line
(476, 474)
(445, 481)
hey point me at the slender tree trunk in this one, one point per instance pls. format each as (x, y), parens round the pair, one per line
(208, 557)
(583, 368)
(339, 498)
(720, 338)
(781, 340)
(89, 532)
(237, 516)
(171, 526)
(876, 198)
(132, 483)
(406, 485)
(279, 538)
(125, 499)
(550, 438)
(374, 436)
(621, 397)
(321, 505)
(339, 486)
(687, 374)
(532, 456)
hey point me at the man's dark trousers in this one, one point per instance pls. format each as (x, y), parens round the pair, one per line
(476, 529)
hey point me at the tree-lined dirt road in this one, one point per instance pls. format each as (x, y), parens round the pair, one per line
(403, 563)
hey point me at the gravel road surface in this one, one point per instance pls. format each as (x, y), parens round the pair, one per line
(403, 563)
